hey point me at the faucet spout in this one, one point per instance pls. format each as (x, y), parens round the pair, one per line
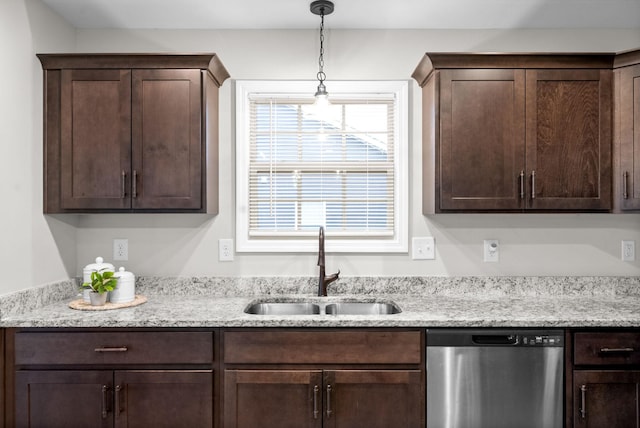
(324, 279)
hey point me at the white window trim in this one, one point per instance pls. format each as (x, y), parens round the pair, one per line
(398, 243)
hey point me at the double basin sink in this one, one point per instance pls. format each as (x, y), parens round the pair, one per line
(320, 308)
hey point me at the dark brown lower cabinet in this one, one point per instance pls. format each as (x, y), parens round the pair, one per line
(323, 398)
(606, 398)
(272, 398)
(373, 398)
(105, 398)
(3, 411)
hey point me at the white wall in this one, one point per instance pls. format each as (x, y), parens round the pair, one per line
(33, 249)
(551, 244)
(186, 245)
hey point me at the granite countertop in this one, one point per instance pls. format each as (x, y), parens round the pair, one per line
(424, 301)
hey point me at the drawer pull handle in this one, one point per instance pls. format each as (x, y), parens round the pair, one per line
(583, 401)
(105, 401)
(315, 401)
(329, 411)
(615, 350)
(112, 349)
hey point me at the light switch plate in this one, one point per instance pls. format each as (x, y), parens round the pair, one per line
(423, 248)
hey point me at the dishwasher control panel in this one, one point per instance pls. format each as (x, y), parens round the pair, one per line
(538, 338)
(541, 340)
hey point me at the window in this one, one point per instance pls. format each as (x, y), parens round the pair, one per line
(300, 166)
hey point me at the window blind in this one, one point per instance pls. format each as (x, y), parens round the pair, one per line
(331, 167)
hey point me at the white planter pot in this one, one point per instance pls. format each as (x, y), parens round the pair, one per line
(97, 299)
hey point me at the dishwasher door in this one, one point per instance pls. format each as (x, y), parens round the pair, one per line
(495, 378)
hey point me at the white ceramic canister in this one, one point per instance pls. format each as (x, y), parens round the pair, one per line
(98, 266)
(126, 289)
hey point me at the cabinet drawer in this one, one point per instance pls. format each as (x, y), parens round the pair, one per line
(322, 347)
(53, 348)
(607, 348)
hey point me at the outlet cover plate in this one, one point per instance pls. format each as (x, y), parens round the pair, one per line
(423, 248)
(121, 249)
(225, 250)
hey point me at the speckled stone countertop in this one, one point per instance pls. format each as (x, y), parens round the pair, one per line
(424, 301)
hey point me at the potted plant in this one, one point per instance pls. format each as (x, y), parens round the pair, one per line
(101, 283)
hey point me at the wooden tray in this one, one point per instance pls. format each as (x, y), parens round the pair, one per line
(81, 305)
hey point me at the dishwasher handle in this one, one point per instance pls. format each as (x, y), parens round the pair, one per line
(495, 339)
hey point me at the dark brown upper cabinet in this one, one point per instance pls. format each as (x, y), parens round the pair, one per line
(131, 132)
(626, 151)
(514, 133)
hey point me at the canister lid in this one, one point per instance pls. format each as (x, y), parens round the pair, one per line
(98, 265)
(123, 274)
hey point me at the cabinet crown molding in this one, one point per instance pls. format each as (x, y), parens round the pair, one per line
(204, 61)
(443, 60)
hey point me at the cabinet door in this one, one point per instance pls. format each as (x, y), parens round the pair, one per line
(95, 139)
(63, 399)
(272, 398)
(163, 399)
(167, 139)
(605, 399)
(628, 174)
(481, 150)
(373, 399)
(569, 139)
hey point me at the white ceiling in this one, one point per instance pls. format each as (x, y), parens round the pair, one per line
(349, 14)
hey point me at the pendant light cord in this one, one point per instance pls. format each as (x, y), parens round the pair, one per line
(321, 76)
(322, 8)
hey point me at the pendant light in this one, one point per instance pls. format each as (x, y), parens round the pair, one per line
(322, 8)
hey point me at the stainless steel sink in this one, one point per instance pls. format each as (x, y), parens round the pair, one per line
(320, 307)
(282, 308)
(361, 308)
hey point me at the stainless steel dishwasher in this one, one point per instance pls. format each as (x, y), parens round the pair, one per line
(495, 378)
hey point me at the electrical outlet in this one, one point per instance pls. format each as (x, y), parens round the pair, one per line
(628, 251)
(121, 249)
(423, 248)
(225, 250)
(491, 250)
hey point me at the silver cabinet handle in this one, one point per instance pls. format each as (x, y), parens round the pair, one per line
(533, 184)
(521, 184)
(615, 350)
(105, 401)
(625, 177)
(123, 180)
(329, 411)
(111, 349)
(583, 401)
(316, 388)
(135, 184)
(118, 400)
